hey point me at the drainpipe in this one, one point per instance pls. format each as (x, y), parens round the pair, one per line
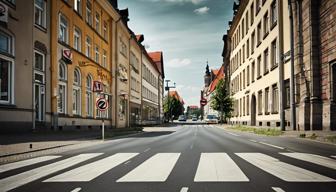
(281, 67)
(292, 85)
(33, 78)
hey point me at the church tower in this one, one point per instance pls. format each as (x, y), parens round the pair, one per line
(207, 76)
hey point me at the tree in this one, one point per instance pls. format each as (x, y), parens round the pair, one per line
(221, 100)
(172, 107)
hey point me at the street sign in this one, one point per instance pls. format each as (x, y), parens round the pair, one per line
(203, 102)
(102, 104)
(97, 86)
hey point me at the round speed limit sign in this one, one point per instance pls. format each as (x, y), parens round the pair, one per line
(102, 104)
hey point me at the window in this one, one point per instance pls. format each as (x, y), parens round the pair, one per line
(78, 6)
(274, 13)
(248, 48)
(39, 61)
(96, 53)
(6, 43)
(243, 106)
(77, 39)
(260, 103)
(11, 1)
(266, 69)
(76, 93)
(253, 71)
(6, 80)
(287, 94)
(243, 53)
(265, 24)
(258, 6)
(333, 82)
(259, 34)
(89, 12)
(244, 79)
(248, 75)
(258, 67)
(275, 99)
(134, 62)
(40, 13)
(105, 30)
(123, 48)
(89, 96)
(252, 14)
(274, 54)
(252, 42)
(247, 105)
(62, 86)
(88, 46)
(266, 101)
(97, 19)
(63, 29)
(246, 22)
(243, 29)
(104, 60)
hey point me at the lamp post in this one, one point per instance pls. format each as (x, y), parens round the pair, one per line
(167, 88)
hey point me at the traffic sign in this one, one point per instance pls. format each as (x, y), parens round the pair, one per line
(203, 102)
(97, 86)
(102, 104)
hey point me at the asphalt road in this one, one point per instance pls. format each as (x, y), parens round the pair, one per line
(186, 158)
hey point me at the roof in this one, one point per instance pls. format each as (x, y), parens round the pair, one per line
(193, 107)
(215, 71)
(157, 57)
(219, 76)
(176, 95)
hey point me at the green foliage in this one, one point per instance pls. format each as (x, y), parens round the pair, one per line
(221, 100)
(259, 131)
(172, 107)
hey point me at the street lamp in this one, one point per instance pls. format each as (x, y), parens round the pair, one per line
(167, 89)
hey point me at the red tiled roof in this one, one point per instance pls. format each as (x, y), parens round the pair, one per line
(193, 107)
(215, 71)
(157, 57)
(219, 76)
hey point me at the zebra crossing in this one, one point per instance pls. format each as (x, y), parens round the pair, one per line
(212, 167)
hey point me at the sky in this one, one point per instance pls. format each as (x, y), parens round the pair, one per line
(188, 32)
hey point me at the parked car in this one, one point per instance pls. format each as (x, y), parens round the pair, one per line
(194, 118)
(182, 118)
(211, 119)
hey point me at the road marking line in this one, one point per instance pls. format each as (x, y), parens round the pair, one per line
(283, 170)
(35, 174)
(271, 145)
(90, 171)
(218, 167)
(147, 150)
(127, 162)
(316, 159)
(155, 169)
(77, 189)
(253, 140)
(278, 189)
(19, 164)
(184, 189)
(232, 134)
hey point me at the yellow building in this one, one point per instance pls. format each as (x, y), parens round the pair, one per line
(81, 55)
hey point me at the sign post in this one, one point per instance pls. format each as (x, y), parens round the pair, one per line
(102, 105)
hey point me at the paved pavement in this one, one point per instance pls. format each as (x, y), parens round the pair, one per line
(183, 158)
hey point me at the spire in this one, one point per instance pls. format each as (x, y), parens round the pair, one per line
(207, 71)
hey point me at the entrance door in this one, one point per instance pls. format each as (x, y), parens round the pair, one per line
(253, 110)
(39, 102)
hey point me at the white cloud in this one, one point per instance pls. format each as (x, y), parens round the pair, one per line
(202, 10)
(178, 63)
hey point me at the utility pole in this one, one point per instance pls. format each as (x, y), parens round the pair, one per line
(167, 88)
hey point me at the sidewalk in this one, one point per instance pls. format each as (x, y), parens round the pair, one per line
(20, 146)
(320, 136)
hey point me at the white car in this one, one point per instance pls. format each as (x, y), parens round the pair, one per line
(209, 119)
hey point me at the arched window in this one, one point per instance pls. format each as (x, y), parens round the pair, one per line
(62, 88)
(76, 93)
(89, 96)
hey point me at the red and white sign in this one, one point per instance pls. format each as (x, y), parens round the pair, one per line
(97, 86)
(67, 55)
(102, 104)
(203, 102)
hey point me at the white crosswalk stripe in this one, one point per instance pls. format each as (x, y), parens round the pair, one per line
(218, 167)
(24, 163)
(34, 174)
(90, 171)
(283, 170)
(155, 169)
(316, 159)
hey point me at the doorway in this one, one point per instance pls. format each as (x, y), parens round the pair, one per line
(39, 102)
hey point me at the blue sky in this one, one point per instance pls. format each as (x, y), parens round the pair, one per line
(189, 32)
